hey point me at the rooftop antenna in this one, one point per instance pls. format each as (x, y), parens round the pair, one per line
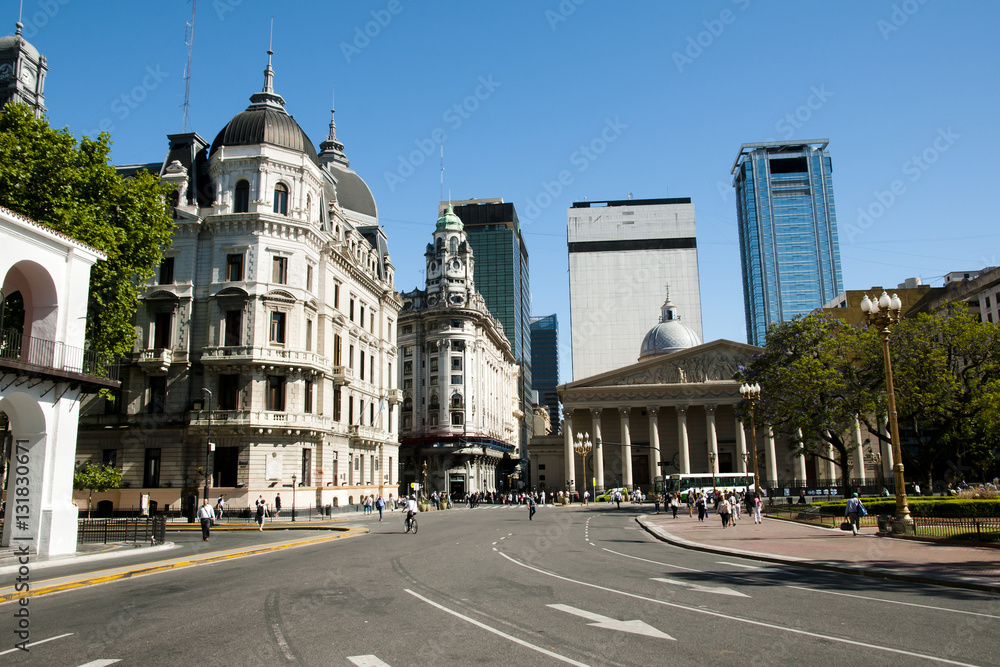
(442, 169)
(189, 41)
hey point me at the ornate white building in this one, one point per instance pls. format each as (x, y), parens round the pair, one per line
(458, 376)
(266, 344)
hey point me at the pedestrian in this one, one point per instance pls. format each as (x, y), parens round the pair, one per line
(277, 505)
(702, 503)
(758, 504)
(734, 505)
(854, 511)
(531, 507)
(675, 503)
(586, 497)
(261, 512)
(206, 514)
(220, 506)
(656, 502)
(380, 504)
(690, 503)
(916, 489)
(618, 499)
(724, 510)
(392, 505)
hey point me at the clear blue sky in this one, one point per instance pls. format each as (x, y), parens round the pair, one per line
(684, 83)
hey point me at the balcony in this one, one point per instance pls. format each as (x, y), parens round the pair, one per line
(288, 423)
(394, 396)
(362, 435)
(159, 360)
(265, 355)
(343, 375)
(38, 357)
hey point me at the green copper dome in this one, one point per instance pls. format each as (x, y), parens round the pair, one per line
(449, 221)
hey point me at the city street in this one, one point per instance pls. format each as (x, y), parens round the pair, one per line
(488, 586)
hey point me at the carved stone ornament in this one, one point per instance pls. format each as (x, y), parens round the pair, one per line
(717, 366)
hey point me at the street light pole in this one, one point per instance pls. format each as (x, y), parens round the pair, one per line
(751, 394)
(882, 315)
(583, 447)
(208, 440)
(293, 496)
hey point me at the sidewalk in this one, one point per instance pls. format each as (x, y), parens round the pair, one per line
(792, 543)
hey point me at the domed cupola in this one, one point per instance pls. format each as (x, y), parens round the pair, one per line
(265, 121)
(669, 335)
(449, 221)
(351, 190)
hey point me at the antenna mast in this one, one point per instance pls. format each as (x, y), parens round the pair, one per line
(187, 71)
(442, 170)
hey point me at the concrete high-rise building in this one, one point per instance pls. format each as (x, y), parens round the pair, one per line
(545, 364)
(789, 250)
(494, 233)
(622, 257)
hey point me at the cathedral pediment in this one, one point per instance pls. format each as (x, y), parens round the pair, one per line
(716, 361)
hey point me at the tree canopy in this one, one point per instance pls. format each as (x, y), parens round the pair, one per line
(49, 176)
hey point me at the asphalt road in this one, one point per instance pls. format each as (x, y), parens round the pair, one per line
(488, 587)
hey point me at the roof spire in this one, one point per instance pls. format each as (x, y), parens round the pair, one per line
(269, 73)
(332, 148)
(267, 96)
(19, 25)
(668, 311)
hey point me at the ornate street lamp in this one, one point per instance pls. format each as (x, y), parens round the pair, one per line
(583, 447)
(751, 394)
(881, 315)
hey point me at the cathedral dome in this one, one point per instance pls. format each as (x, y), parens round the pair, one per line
(16, 42)
(669, 335)
(265, 121)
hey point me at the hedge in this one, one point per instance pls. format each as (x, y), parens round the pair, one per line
(954, 507)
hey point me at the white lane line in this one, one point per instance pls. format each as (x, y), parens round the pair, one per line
(906, 604)
(654, 562)
(497, 632)
(735, 619)
(100, 663)
(745, 567)
(698, 588)
(40, 641)
(367, 661)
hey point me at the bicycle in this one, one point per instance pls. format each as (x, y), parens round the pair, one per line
(410, 524)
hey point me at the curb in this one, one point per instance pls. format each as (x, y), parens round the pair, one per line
(664, 536)
(45, 588)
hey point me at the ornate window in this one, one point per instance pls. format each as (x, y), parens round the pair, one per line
(281, 199)
(241, 197)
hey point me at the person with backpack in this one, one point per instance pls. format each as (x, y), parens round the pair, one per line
(854, 512)
(380, 504)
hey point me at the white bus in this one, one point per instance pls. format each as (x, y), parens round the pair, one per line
(698, 482)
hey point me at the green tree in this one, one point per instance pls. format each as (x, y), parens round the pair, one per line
(946, 367)
(48, 176)
(92, 477)
(816, 374)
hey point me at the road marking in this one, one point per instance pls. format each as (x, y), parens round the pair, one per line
(100, 663)
(367, 661)
(698, 588)
(734, 619)
(608, 623)
(654, 562)
(497, 632)
(907, 604)
(40, 641)
(745, 567)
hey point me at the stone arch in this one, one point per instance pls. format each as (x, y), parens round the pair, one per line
(41, 298)
(24, 413)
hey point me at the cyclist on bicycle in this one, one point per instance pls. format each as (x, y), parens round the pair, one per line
(411, 509)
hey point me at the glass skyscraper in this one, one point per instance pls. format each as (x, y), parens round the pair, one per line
(494, 233)
(545, 364)
(789, 250)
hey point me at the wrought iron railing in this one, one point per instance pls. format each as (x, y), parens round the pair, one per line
(139, 529)
(54, 355)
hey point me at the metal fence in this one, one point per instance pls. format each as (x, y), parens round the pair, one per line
(971, 529)
(103, 531)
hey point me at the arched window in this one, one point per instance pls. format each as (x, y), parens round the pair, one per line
(241, 200)
(281, 199)
(408, 404)
(456, 401)
(434, 403)
(453, 245)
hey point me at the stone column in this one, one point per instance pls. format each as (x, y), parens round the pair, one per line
(859, 454)
(831, 466)
(626, 448)
(800, 463)
(598, 452)
(569, 465)
(713, 439)
(770, 455)
(654, 441)
(741, 449)
(682, 439)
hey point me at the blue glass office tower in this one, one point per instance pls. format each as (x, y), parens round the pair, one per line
(789, 250)
(545, 364)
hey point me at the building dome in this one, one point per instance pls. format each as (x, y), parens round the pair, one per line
(449, 221)
(669, 335)
(265, 121)
(351, 190)
(17, 42)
